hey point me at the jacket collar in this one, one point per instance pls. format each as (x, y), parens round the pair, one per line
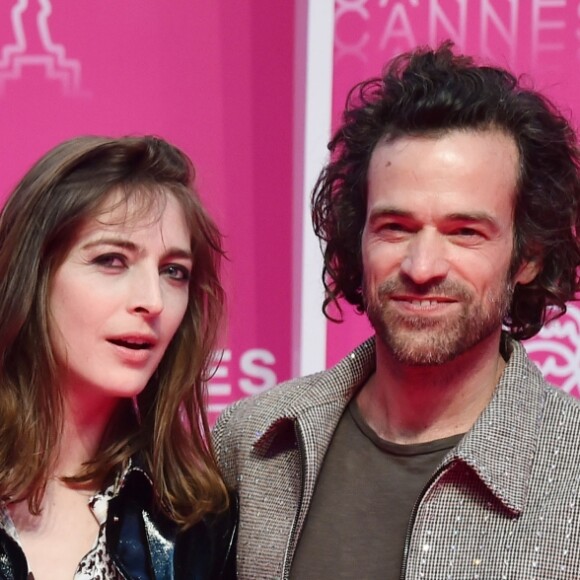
(499, 448)
(502, 444)
(324, 395)
(135, 468)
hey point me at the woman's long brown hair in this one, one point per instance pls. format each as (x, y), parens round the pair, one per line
(167, 427)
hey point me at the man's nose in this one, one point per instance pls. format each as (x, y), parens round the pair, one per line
(426, 258)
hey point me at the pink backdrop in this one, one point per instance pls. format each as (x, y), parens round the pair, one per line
(539, 38)
(213, 77)
(216, 78)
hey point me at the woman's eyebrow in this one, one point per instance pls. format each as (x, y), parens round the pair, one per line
(174, 252)
(125, 244)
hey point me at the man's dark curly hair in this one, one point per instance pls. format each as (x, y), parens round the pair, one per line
(431, 92)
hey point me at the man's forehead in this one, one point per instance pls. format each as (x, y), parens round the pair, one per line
(459, 172)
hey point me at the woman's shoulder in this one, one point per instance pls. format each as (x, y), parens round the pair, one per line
(207, 549)
(140, 534)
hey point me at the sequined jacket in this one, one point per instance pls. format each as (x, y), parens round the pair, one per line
(146, 545)
(505, 503)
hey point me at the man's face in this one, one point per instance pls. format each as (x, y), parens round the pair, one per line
(437, 243)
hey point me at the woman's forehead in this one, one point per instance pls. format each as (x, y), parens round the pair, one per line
(126, 206)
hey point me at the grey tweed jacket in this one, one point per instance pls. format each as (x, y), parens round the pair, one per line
(504, 504)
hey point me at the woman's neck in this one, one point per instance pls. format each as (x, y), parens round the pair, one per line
(84, 425)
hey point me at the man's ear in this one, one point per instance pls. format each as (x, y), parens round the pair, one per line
(528, 270)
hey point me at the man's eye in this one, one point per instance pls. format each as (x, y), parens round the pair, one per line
(466, 232)
(394, 227)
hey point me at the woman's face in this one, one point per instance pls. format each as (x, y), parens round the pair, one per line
(118, 298)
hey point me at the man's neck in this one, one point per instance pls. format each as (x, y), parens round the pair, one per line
(415, 404)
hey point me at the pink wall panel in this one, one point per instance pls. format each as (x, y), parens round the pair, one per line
(213, 77)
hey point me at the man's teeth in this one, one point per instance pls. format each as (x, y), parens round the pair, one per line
(424, 302)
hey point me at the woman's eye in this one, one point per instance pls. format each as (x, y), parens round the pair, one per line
(176, 272)
(110, 261)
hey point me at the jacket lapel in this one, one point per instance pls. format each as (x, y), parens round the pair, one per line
(308, 420)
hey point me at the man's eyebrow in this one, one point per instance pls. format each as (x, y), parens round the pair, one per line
(389, 211)
(468, 216)
(473, 217)
(132, 247)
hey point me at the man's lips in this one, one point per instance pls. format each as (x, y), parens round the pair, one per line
(422, 305)
(423, 301)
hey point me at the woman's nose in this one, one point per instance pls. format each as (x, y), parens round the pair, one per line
(146, 295)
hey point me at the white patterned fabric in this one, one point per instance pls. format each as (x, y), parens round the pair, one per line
(97, 564)
(504, 503)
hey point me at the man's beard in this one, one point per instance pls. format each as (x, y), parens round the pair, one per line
(427, 340)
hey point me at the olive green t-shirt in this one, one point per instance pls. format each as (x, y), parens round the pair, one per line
(364, 497)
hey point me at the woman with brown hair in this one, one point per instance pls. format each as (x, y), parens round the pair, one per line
(110, 302)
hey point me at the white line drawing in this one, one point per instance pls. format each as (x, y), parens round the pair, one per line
(15, 57)
(556, 350)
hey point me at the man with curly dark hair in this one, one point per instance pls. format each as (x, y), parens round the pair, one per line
(449, 214)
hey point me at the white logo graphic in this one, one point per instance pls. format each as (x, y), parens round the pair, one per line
(556, 351)
(42, 53)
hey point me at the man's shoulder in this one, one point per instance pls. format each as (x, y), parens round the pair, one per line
(241, 425)
(557, 406)
(279, 400)
(290, 398)
(562, 410)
